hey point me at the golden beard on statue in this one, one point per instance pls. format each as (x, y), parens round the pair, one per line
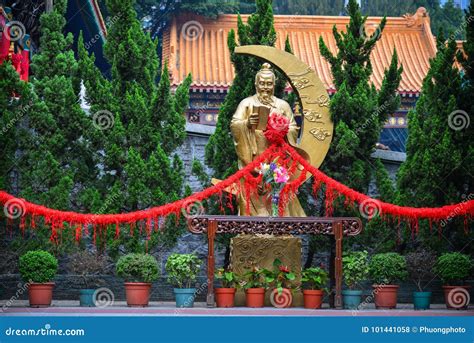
(248, 126)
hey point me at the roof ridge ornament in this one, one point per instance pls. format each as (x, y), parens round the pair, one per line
(418, 18)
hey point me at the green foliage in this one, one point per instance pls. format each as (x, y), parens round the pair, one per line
(315, 278)
(257, 277)
(453, 268)
(38, 266)
(355, 268)
(387, 268)
(182, 269)
(420, 266)
(439, 154)
(137, 268)
(281, 276)
(358, 110)
(138, 150)
(227, 278)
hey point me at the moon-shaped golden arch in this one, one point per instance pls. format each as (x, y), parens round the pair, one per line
(317, 126)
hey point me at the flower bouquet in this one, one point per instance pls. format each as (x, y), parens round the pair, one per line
(274, 176)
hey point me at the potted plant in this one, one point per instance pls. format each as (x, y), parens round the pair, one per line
(38, 268)
(225, 295)
(385, 270)
(314, 280)
(182, 271)
(255, 285)
(355, 269)
(138, 271)
(88, 267)
(420, 267)
(453, 269)
(282, 279)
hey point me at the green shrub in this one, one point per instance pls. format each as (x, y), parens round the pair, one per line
(355, 268)
(137, 268)
(182, 269)
(453, 268)
(38, 266)
(387, 268)
(314, 278)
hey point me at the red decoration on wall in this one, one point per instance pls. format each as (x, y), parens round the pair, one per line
(16, 208)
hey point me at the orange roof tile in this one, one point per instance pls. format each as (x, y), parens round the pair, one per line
(204, 53)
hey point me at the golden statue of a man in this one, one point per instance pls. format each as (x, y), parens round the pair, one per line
(250, 141)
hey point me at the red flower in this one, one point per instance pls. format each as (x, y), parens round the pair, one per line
(284, 269)
(277, 128)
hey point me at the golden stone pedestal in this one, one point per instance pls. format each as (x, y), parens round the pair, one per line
(261, 250)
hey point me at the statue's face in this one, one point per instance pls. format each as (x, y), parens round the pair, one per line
(265, 85)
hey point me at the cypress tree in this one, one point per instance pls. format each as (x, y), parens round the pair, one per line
(359, 112)
(141, 168)
(438, 169)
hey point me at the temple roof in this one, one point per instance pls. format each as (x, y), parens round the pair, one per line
(205, 55)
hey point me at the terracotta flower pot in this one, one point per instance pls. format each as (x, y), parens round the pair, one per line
(225, 297)
(137, 293)
(385, 296)
(40, 294)
(456, 297)
(255, 297)
(313, 299)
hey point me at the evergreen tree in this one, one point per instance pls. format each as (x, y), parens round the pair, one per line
(438, 169)
(140, 166)
(358, 110)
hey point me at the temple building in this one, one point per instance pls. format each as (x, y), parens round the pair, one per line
(197, 45)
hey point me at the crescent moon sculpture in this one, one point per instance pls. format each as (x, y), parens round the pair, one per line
(317, 126)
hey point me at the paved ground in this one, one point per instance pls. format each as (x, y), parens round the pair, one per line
(119, 308)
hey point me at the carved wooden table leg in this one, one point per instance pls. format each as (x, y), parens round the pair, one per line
(211, 234)
(338, 264)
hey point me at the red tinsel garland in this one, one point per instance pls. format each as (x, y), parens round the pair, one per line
(149, 219)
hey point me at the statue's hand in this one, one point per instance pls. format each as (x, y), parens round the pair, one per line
(252, 120)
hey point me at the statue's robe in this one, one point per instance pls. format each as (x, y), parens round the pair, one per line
(245, 139)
